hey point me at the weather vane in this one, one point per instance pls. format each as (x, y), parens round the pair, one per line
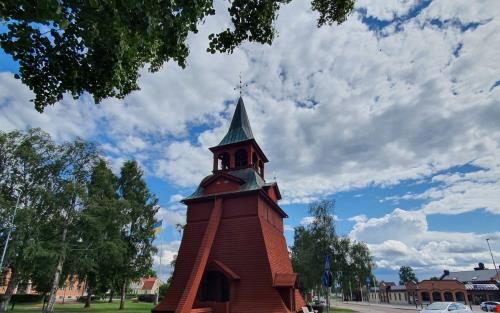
(241, 86)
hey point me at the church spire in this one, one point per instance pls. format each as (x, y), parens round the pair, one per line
(240, 129)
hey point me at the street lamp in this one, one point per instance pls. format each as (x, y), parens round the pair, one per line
(11, 228)
(492, 259)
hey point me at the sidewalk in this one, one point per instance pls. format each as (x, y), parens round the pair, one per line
(404, 307)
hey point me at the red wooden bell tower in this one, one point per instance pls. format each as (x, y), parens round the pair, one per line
(233, 255)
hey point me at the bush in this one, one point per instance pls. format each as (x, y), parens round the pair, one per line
(26, 298)
(84, 298)
(146, 298)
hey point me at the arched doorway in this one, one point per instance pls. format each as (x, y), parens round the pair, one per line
(214, 287)
(436, 296)
(460, 297)
(448, 296)
(426, 297)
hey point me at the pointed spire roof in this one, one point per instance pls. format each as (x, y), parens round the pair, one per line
(240, 129)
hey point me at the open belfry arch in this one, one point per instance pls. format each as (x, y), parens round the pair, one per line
(233, 255)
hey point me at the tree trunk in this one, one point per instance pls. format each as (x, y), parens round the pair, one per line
(89, 297)
(57, 274)
(122, 296)
(111, 294)
(5, 298)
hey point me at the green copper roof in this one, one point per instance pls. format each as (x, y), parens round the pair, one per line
(240, 129)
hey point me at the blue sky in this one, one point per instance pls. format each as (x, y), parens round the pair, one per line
(394, 114)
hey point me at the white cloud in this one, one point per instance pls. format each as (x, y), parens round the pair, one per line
(172, 217)
(306, 220)
(358, 218)
(310, 219)
(334, 108)
(64, 121)
(389, 10)
(460, 192)
(288, 228)
(403, 238)
(183, 164)
(162, 260)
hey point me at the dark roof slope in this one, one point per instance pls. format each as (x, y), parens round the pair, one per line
(252, 181)
(470, 276)
(240, 129)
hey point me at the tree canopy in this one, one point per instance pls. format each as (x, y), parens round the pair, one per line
(406, 274)
(99, 46)
(350, 261)
(73, 218)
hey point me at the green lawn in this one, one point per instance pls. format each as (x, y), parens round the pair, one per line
(96, 307)
(104, 307)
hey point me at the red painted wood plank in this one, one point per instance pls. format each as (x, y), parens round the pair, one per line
(186, 302)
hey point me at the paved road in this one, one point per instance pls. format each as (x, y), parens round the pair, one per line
(383, 308)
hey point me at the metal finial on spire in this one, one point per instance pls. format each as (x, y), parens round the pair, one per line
(241, 86)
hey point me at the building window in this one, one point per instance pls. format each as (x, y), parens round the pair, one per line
(399, 295)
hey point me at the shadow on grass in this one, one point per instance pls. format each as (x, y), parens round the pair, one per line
(96, 307)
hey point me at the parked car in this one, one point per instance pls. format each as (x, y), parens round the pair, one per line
(489, 306)
(438, 307)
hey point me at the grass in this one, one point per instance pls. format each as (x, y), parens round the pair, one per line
(96, 307)
(104, 307)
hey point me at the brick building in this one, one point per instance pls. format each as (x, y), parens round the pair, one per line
(469, 287)
(70, 291)
(146, 286)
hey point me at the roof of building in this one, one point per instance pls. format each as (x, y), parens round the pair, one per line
(251, 181)
(388, 283)
(398, 288)
(149, 283)
(470, 276)
(240, 129)
(481, 287)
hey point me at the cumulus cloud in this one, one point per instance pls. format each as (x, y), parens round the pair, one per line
(167, 252)
(403, 238)
(460, 192)
(334, 108)
(358, 218)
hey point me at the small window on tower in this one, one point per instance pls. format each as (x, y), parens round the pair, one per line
(261, 168)
(254, 160)
(240, 158)
(223, 161)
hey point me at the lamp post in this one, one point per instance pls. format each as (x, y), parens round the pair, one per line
(492, 259)
(11, 227)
